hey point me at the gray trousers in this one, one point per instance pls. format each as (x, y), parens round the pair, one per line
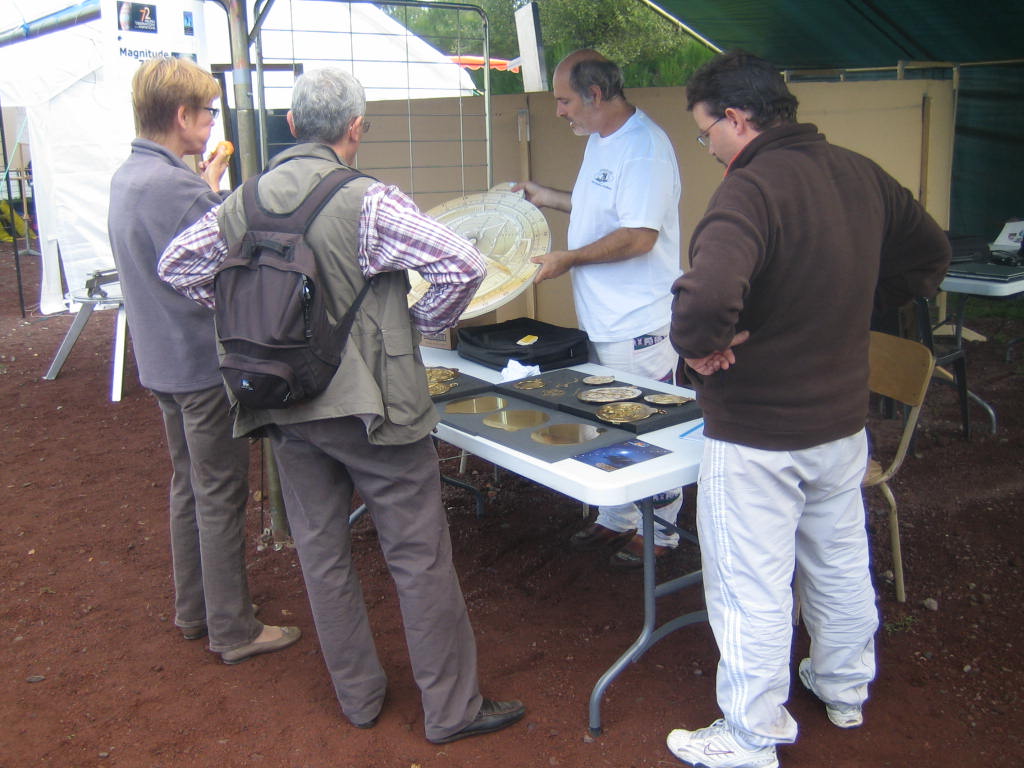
(320, 464)
(209, 489)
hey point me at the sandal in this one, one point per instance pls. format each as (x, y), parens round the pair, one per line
(631, 556)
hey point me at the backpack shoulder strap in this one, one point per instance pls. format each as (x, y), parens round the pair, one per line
(299, 219)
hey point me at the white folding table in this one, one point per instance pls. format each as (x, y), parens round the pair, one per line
(639, 483)
(110, 296)
(964, 288)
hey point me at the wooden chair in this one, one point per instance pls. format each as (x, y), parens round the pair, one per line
(900, 369)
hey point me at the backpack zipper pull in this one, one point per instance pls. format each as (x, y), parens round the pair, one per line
(307, 306)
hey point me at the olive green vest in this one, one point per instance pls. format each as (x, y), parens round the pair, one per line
(381, 378)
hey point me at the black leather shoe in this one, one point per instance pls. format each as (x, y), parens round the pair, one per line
(596, 536)
(493, 716)
(367, 725)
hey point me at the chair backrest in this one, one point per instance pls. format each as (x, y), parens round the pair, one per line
(899, 368)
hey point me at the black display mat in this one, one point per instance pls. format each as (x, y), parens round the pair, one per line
(465, 386)
(562, 385)
(520, 440)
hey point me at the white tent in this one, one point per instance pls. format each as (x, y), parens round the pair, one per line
(389, 61)
(74, 87)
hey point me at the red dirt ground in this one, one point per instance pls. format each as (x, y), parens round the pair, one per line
(95, 673)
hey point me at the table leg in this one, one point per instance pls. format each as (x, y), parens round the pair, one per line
(942, 374)
(81, 318)
(651, 632)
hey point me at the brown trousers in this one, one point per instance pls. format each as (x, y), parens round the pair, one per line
(209, 489)
(321, 463)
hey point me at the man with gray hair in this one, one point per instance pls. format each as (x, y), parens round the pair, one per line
(370, 430)
(623, 255)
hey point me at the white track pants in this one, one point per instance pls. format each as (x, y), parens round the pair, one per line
(764, 517)
(650, 355)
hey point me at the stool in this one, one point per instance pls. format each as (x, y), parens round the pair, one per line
(111, 296)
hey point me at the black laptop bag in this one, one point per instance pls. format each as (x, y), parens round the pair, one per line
(494, 345)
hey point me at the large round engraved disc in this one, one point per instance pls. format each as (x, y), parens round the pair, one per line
(484, 404)
(566, 434)
(508, 231)
(513, 421)
(624, 413)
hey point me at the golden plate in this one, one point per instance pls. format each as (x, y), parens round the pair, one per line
(436, 388)
(507, 230)
(441, 374)
(484, 404)
(567, 434)
(625, 413)
(513, 421)
(598, 380)
(608, 394)
(663, 398)
(529, 384)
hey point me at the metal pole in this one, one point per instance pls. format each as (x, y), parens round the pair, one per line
(14, 223)
(241, 81)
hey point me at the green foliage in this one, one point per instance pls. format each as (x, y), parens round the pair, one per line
(901, 624)
(651, 50)
(981, 307)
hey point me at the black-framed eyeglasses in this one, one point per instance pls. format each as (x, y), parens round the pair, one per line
(702, 137)
(364, 127)
(213, 112)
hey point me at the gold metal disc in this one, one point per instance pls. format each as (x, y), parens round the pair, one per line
(436, 388)
(513, 421)
(567, 434)
(507, 230)
(624, 413)
(484, 404)
(529, 384)
(608, 394)
(438, 373)
(663, 398)
(595, 381)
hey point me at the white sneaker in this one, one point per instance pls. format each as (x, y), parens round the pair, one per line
(841, 715)
(716, 747)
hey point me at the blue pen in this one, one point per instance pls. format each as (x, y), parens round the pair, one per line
(693, 429)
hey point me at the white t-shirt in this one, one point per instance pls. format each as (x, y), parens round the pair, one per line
(628, 179)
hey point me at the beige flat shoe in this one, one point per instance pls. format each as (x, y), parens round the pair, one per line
(237, 655)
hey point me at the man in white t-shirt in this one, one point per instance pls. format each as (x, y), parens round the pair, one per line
(623, 256)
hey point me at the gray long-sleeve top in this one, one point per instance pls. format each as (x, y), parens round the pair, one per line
(153, 197)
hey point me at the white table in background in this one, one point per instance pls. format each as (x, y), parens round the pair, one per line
(111, 296)
(639, 483)
(965, 287)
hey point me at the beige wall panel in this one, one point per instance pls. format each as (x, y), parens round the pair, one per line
(886, 122)
(883, 120)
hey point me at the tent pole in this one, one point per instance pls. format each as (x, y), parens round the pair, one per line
(10, 203)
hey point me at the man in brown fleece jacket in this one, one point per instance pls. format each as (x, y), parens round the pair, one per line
(799, 244)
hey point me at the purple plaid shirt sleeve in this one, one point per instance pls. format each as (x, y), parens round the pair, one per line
(393, 235)
(191, 259)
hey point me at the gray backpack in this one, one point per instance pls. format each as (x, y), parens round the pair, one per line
(280, 347)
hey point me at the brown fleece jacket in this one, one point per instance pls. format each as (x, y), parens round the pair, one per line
(799, 243)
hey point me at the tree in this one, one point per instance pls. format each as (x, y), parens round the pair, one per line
(651, 50)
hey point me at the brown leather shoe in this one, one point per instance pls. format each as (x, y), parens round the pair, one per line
(631, 556)
(493, 716)
(596, 536)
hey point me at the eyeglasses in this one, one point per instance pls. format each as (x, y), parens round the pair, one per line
(364, 127)
(702, 137)
(213, 112)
